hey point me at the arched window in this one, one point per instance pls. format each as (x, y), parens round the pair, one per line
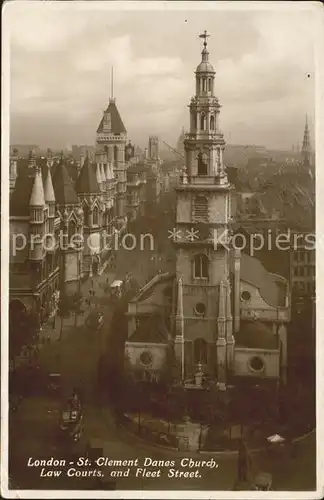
(86, 214)
(202, 122)
(95, 216)
(200, 266)
(212, 122)
(200, 209)
(72, 230)
(209, 84)
(115, 153)
(200, 351)
(202, 164)
(204, 85)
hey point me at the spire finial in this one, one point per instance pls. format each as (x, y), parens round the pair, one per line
(112, 82)
(204, 35)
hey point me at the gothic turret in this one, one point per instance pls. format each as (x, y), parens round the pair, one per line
(36, 207)
(48, 188)
(13, 169)
(37, 198)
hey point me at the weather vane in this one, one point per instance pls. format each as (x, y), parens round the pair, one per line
(205, 36)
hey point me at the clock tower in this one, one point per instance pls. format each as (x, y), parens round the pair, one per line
(200, 236)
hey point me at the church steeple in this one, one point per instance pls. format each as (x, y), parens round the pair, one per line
(306, 148)
(205, 136)
(203, 203)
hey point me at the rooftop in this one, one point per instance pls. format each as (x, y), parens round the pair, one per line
(255, 335)
(117, 125)
(64, 190)
(271, 287)
(87, 180)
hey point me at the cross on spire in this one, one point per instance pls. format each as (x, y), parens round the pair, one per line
(204, 35)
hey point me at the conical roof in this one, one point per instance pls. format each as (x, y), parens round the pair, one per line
(63, 188)
(87, 180)
(102, 172)
(98, 174)
(48, 187)
(117, 125)
(37, 198)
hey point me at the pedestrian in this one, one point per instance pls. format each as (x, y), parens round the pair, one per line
(243, 462)
(53, 322)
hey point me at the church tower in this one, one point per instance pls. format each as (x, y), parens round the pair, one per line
(111, 139)
(200, 236)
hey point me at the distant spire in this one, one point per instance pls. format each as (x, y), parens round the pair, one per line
(306, 147)
(112, 99)
(112, 82)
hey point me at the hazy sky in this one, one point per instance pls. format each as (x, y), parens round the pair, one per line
(61, 58)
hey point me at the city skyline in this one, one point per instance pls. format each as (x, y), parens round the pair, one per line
(61, 60)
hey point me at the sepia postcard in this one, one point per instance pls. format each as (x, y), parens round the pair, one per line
(161, 275)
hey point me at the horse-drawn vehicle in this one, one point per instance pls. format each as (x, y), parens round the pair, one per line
(71, 420)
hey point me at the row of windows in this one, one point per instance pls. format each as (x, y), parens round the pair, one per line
(203, 122)
(304, 271)
(95, 215)
(303, 286)
(303, 256)
(205, 83)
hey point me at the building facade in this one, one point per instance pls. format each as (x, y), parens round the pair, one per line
(228, 313)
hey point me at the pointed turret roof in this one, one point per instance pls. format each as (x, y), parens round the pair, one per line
(63, 188)
(87, 180)
(48, 187)
(37, 198)
(98, 174)
(102, 172)
(117, 125)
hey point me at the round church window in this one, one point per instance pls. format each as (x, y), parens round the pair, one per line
(246, 295)
(200, 308)
(256, 364)
(146, 358)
